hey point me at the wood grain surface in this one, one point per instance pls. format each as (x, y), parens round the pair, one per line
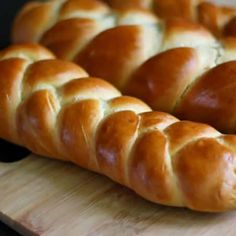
(45, 197)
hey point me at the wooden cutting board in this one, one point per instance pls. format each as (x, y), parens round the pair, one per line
(45, 197)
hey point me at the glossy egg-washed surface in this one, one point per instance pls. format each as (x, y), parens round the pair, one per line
(55, 109)
(169, 64)
(219, 19)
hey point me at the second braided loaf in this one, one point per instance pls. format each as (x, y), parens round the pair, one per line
(173, 65)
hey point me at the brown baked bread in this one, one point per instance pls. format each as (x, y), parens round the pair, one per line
(219, 19)
(140, 56)
(67, 26)
(54, 109)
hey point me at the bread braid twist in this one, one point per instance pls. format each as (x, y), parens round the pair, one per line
(140, 56)
(54, 109)
(220, 20)
(67, 26)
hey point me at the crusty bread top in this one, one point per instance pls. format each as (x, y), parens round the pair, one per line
(55, 109)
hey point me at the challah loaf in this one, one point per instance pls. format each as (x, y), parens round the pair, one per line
(140, 56)
(67, 26)
(220, 20)
(54, 109)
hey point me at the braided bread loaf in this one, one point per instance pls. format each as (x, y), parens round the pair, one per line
(67, 26)
(140, 56)
(220, 20)
(54, 109)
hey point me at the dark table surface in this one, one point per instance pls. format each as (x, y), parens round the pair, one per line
(9, 152)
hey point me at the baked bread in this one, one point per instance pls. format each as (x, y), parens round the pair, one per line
(140, 56)
(220, 20)
(68, 26)
(54, 109)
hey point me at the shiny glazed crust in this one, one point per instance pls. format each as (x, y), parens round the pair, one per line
(220, 20)
(55, 109)
(169, 64)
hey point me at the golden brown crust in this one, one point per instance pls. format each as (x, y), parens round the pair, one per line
(113, 140)
(172, 8)
(208, 17)
(121, 55)
(157, 61)
(196, 178)
(215, 18)
(174, 26)
(71, 7)
(84, 20)
(119, 4)
(180, 133)
(54, 109)
(35, 123)
(15, 60)
(43, 15)
(212, 98)
(7, 91)
(230, 28)
(163, 85)
(78, 139)
(64, 41)
(212, 16)
(29, 51)
(149, 172)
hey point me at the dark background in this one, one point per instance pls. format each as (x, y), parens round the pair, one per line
(9, 152)
(7, 13)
